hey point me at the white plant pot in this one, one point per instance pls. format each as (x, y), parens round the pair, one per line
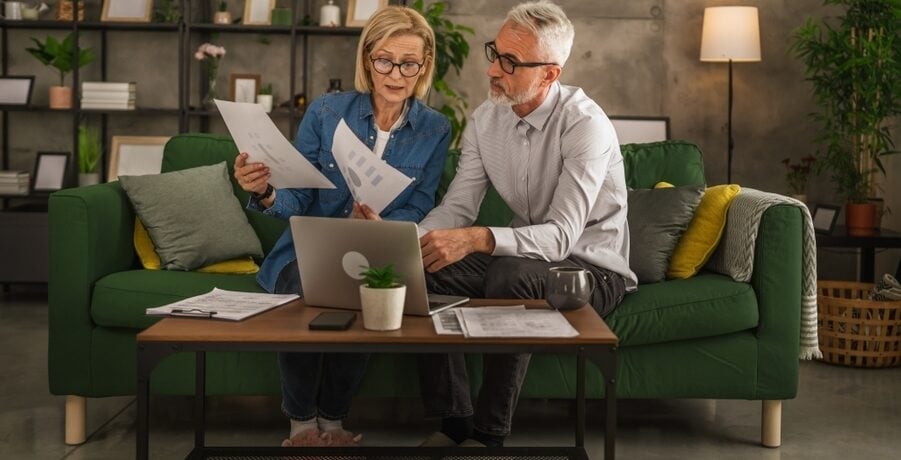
(383, 309)
(85, 179)
(265, 100)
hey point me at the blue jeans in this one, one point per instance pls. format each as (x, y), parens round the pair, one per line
(444, 382)
(316, 384)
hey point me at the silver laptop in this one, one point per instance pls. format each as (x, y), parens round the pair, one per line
(331, 253)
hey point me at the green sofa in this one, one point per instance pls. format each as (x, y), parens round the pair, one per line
(703, 337)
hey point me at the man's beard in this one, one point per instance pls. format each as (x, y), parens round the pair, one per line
(497, 95)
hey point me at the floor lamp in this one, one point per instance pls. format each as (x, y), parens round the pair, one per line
(730, 34)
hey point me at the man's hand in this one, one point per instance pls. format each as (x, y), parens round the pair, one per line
(252, 177)
(441, 248)
(362, 211)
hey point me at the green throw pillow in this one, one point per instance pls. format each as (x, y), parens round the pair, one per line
(657, 219)
(192, 216)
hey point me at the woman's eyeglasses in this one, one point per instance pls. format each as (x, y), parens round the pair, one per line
(508, 64)
(385, 67)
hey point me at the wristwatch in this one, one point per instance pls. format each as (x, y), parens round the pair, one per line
(262, 196)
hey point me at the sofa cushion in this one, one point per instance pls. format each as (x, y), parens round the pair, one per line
(192, 216)
(703, 306)
(151, 260)
(704, 232)
(657, 218)
(676, 162)
(120, 298)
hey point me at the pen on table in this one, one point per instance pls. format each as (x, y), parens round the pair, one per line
(192, 311)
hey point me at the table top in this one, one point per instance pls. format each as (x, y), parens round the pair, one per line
(883, 238)
(288, 324)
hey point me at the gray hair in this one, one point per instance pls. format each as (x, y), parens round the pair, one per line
(550, 26)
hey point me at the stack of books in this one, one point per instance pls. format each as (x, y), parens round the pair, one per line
(14, 182)
(108, 95)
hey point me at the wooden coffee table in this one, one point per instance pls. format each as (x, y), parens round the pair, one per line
(285, 329)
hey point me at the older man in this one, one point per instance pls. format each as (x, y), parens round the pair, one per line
(553, 156)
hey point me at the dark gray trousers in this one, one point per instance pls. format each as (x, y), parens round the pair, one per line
(444, 381)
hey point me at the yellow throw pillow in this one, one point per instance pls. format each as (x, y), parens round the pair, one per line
(663, 184)
(150, 260)
(704, 232)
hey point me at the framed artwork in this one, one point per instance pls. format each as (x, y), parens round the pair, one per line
(135, 156)
(243, 87)
(126, 10)
(49, 171)
(359, 11)
(638, 130)
(824, 217)
(258, 12)
(16, 90)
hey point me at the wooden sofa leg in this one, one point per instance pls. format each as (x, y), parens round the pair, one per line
(75, 419)
(771, 424)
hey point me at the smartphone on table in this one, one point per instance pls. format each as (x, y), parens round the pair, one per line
(333, 321)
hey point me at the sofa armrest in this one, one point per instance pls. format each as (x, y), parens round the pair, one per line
(777, 281)
(91, 235)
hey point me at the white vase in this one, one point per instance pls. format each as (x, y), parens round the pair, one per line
(85, 179)
(383, 309)
(265, 100)
(330, 15)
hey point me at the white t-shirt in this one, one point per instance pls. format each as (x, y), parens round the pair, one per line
(382, 137)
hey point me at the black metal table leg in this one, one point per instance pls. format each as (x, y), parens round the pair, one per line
(199, 399)
(149, 355)
(606, 362)
(580, 398)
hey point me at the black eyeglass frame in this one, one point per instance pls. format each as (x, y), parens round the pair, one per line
(491, 48)
(399, 66)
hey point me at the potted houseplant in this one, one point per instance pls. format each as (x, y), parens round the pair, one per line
(59, 55)
(853, 62)
(382, 298)
(796, 175)
(265, 97)
(222, 16)
(89, 150)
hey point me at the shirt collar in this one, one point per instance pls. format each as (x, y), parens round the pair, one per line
(538, 118)
(412, 110)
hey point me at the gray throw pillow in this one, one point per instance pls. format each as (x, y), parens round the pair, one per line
(192, 216)
(657, 219)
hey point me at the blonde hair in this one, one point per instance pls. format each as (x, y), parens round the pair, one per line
(389, 22)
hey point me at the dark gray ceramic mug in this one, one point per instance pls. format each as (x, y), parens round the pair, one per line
(568, 288)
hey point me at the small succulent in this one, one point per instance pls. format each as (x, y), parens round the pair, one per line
(381, 278)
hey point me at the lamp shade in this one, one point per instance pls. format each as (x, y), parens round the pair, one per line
(730, 33)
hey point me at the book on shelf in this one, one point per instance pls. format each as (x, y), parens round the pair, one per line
(125, 105)
(107, 95)
(14, 182)
(108, 86)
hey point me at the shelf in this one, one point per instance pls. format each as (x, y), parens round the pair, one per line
(139, 110)
(264, 29)
(29, 24)
(89, 25)
(276, 113)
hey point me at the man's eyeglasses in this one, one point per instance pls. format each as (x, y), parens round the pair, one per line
(508, 64)
(385, 67)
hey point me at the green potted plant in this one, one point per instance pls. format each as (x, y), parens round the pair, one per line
(853, 62)
(89, 152)
(265, 97)
(797, 174)
(222, 16)
(59, 56)
(382, 298)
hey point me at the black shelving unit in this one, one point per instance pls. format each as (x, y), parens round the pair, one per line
(195, 22)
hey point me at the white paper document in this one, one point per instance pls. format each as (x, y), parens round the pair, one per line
(255, 133)
(222, 304)
(449, 322)
(371, 181)
(483, 322)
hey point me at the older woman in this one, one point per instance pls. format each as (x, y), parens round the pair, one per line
(394, 69)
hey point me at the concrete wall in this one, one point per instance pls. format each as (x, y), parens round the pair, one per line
(634, 57)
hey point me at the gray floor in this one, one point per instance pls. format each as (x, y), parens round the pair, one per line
(840, 413)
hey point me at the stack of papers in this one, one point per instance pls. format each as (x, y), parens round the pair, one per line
(515, 321)
(14, 182)
(108, 95)
(222, 304)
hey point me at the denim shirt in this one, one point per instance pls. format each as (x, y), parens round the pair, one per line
(417, 148)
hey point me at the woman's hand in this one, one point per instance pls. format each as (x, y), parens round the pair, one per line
(362, 211)
(252, 177)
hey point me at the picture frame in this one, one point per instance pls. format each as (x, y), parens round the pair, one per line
(50, 171)
(824, 217)
(16, 90)
(135, 156)
(243, 87)
(640, 129)
(359, 11)
(258, 12)
(126, 10)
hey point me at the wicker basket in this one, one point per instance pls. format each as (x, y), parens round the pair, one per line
(856, 331)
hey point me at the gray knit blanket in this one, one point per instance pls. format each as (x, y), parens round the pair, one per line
(735, 255)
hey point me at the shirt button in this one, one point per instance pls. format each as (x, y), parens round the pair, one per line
(370, 137)
(414, 178)
(331, 165)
